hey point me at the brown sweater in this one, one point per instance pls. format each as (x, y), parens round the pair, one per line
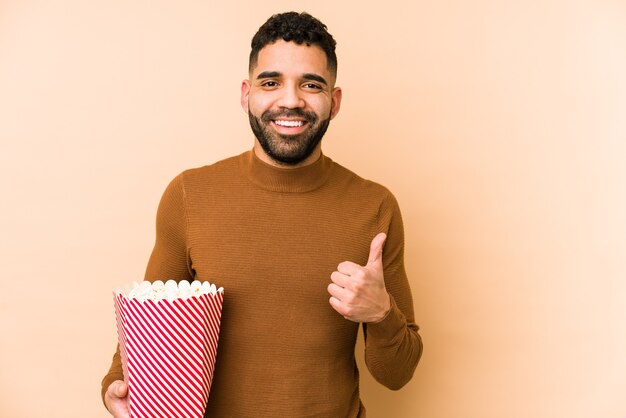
(272, 237)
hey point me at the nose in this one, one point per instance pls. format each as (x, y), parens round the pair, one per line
(290, 97)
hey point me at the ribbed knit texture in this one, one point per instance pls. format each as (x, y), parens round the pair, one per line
(272, 237)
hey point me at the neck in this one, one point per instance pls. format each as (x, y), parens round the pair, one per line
(289, 179)
(260, 153)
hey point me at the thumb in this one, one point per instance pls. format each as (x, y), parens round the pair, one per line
(121, 389)
(376, 250)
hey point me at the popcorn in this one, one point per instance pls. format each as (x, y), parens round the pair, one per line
(168, 334)
(169, 290)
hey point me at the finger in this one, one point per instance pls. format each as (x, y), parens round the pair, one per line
(121, 390)
(376, 249)
(340, 279)
(342, 309)
(336, 305)
(118, 389)
(348, 268)
(337, 292)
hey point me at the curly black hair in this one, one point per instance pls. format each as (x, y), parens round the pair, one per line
(294, 27)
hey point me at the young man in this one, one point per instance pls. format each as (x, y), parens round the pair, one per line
(305, 249)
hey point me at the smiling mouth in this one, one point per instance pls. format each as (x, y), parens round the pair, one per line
(289, 123)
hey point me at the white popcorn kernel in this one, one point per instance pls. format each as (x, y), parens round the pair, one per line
(184, 289)
(171, 285)
(206, 287)
(130, 289)
(196, 288)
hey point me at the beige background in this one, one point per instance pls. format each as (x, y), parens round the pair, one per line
(499, 125)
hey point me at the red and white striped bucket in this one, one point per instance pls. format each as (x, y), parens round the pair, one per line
(168, 351)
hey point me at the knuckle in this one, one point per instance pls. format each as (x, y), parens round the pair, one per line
(360, 274)
(358, 286)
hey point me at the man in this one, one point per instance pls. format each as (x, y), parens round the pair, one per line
(305, 249)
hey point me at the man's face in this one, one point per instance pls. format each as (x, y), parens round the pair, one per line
(290, 99)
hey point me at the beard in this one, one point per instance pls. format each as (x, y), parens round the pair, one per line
(288, 149)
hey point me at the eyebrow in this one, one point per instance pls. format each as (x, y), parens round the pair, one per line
(268, 74)
(315, 77)
(278, 74)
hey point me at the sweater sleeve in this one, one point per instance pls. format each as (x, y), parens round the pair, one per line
(169, 258)
(393, 346)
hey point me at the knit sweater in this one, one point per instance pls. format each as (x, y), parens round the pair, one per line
(272, 237)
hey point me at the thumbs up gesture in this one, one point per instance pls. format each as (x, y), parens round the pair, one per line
(358, 292)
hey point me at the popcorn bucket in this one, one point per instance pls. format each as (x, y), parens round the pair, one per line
(168, 344)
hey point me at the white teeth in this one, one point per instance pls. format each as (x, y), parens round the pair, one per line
(289, 123)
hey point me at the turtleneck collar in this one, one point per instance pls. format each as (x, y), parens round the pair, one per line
(286, 180)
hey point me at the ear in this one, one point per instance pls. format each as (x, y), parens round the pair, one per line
(245, 92)
(336, 102)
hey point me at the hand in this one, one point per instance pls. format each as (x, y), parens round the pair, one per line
(116, 399)
(358, 292)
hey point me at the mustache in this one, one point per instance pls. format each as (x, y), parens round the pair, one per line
(289, 113)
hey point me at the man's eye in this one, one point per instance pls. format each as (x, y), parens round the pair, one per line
(312, 86)
(270, 84)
